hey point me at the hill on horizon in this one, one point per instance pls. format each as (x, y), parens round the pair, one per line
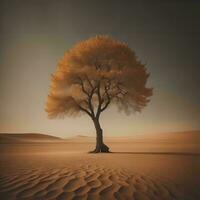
(170, 137)
(26, 137)
(185, 141)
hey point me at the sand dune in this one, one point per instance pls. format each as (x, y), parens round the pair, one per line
(26, 137)
(64, 170)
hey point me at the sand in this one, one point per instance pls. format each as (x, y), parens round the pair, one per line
(143, 167)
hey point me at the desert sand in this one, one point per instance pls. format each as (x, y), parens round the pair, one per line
(163, 166)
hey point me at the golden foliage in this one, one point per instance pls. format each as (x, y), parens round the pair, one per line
(95, 73)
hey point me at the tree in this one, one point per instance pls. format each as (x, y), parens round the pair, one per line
(94, 74)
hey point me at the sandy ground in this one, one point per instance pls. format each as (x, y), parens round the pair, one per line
(160, 167)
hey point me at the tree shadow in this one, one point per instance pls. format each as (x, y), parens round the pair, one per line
(158, 153)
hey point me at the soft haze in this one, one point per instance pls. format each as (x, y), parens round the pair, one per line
(35, 35)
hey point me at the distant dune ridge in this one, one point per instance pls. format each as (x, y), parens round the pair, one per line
(26, 137)
(182, 135)
(186, 142)
(141, 167)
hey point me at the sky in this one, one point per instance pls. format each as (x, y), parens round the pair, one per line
(35, 34)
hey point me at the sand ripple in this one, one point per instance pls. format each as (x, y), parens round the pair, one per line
(86, 182)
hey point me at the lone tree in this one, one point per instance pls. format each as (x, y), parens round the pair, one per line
(92, 75)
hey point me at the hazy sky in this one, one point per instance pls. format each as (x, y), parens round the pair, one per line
(36, 33)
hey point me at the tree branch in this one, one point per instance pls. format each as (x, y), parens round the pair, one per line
(89, 94)
(91, 107)
(99, 100)
(112, 89)
(82, 108)
(107, 88)
(83, 87)
(88, 80)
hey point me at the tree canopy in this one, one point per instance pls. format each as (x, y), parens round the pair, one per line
(94, 74)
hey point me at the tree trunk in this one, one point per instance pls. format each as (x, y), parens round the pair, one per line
(100, 146)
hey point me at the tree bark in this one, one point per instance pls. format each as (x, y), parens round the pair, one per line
(100, 146)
